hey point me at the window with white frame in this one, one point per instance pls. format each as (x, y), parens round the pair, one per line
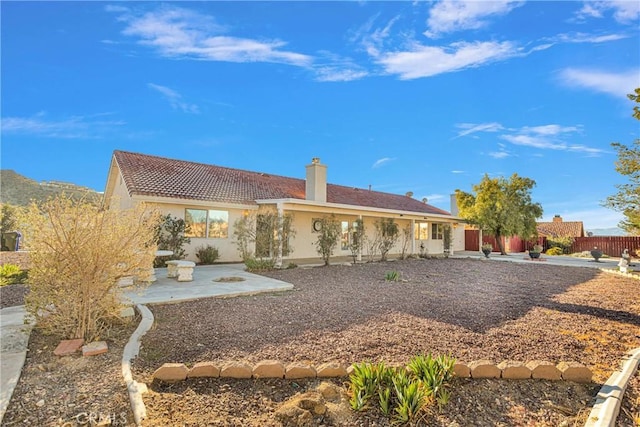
(437, 231)
(207, 223)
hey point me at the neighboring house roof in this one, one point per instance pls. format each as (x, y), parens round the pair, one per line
(146, 175)
(561, 229)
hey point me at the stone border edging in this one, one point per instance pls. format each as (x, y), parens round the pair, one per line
(535, 369)
(130, 351)
(609, 399)
(620, 273)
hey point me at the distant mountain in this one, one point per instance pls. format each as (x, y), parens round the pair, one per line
(19, 190)
(613, 231)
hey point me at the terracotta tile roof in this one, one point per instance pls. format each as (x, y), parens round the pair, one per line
(561, 229)
(147, 175)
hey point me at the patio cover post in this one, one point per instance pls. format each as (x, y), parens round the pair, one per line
(413, 236)
(280, 234)
(359, 258)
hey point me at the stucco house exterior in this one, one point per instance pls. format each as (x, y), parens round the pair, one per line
(212, 198)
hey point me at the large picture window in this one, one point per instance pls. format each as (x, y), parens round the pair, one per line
(421, 231)
(210, 223)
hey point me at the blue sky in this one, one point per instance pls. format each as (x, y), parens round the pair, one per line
(403, 96)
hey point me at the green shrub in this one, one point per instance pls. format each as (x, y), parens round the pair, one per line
(392, 276)
(254, 264)
(402, 393)
(207, 254)
(554, 251)
(11, 274)
(564, 243)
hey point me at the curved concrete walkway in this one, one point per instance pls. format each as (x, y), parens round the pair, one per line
(13, 351)
(15, 333)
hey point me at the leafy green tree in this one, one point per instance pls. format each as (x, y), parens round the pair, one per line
(501, 207)
(328, 235)
(627, 200)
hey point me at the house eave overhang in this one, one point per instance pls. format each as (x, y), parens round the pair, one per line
(192, 202)
(314, 206)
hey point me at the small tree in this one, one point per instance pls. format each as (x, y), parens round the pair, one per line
(357, 238)
(328, 235)
(170, 235)
(78, 253)
(263, 230)
(406, 239)
(627, 199)
(447, 238)
(387, 234)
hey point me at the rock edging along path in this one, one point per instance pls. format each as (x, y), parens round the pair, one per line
(536, 369)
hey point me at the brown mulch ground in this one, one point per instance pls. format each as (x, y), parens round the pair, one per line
(469, 308)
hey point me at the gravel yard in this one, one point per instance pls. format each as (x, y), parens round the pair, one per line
(471, 309)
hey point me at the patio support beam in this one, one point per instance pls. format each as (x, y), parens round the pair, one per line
(359, 257)
(280, 234)
(413, 237)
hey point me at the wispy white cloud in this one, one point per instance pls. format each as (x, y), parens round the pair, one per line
(587, 38)
(624, 11)
(471, 128)
(499, 154)
(550, 129)
(180, 33)
(74, 127)
(454, 15)
(457, 171)
(175, 99)
(426, 61)
(544, 137)
(335, 68)
(549, 137)
(382, 161)
(337, 74)
(616, 84)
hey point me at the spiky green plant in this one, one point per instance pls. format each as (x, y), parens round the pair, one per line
(392, 276)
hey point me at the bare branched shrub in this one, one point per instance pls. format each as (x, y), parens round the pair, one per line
(328, 237)
(78, 253)
(263, 230)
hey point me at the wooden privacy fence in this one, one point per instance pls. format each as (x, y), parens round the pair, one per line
(609, 245)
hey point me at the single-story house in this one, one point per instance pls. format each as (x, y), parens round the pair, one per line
(212, 198)
(560, 228)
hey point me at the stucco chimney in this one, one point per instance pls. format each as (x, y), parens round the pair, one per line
(316, 185)
(454, 205)
(557, 218)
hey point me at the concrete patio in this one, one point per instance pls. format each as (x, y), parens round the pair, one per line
(204, 285)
